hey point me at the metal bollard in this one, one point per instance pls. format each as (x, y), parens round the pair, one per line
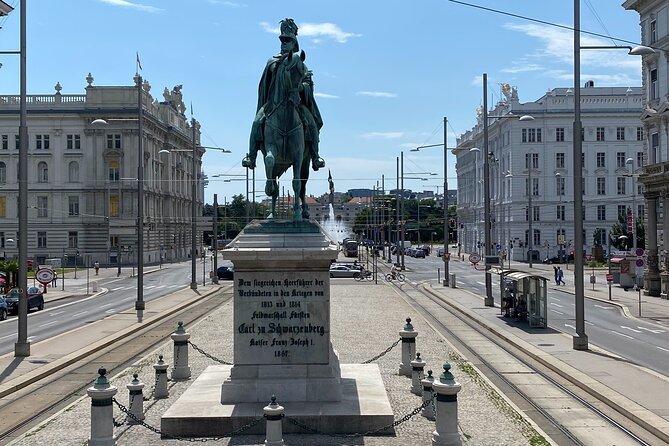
(446, 427)
(417, 375)
(102, 411)
(453, 280)
(273, 430)
(408, 336)
(180, 337)
(160, 390)
(135, 399)
(428, 410)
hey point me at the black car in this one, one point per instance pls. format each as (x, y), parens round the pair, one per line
(556, 259)
(3, 309)
(35, 299)
(226, 272)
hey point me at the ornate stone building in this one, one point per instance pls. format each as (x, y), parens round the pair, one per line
(82, 175)
(654, 17)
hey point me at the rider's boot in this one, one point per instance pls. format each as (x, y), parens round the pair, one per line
(316, 161)
(249, 160)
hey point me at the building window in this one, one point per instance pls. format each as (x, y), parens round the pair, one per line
(113, 170)
(535, 213)
(583, 213)
(601, 186)
(73, 206)
(72, 239)
(600, 133)
(559, 160)
(534, 157)
(5, 142)
(653, 31)
(620, 185)
(42, 206)
(114, 141)
(113, 241)
(559, 185)
(642, 211)
(600, 236)
(559, 134)
(622, 210)
(41, 142)
(620, 134)
(42, 172)
(654, 148)
(560, 212)
(621, 157)
(654, 93)
(530, 135)
(113, 205)
(74, 142)
(639, 133)
(73, 172)
(3, 173)
(3, 207)
(17, 142)
(41, 239)
(601, 159)
(639, 159)
(583, 183)
(601, 212)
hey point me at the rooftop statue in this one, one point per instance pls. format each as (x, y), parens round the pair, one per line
(287, 122)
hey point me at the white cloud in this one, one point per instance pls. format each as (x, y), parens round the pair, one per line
(326, 96)
(384, 135)
(315, 31)
(127, 4)
(522, 66)
(226, 3)
(377, 94)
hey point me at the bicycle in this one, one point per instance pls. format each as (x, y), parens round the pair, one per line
(366, 274)
(397, 276)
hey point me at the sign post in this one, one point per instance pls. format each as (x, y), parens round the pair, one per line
(609, 280)
(45, 276)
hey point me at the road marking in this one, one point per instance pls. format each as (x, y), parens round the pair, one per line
(481, 283)
(630, 328)
(661, 348)
(111, 310)
(30, 338)
(624, 335)
(116, 289)
(56, 313)
(107, 305)
(603, 307)
(8, 336)
(588, 323)
(570, 326)
(556, 305)
(651, 330)
(149, 287)
(79, 314)
(558, 312)
(49, 323)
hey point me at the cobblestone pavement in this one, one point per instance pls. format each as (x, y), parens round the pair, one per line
(366, 319)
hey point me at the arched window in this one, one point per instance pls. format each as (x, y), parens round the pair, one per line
(3, 173)
(73, 172)
(42, 172)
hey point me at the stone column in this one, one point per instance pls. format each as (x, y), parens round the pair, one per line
(417, 375)
(102, 411)
(446, 426)
(664, 275)
(180, 337)
(274, 429)
(408, 336)
(651, 280)
(135, 399)
(160, 390)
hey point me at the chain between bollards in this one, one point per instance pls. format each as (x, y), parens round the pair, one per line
(238, 431)
(394, 344)
(212, 357)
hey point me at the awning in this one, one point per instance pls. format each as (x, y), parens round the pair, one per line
(617, 259)
(522, 275)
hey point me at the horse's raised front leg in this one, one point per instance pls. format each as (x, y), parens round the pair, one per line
(297, 190)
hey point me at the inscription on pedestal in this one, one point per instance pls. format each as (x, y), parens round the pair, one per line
(282, 318)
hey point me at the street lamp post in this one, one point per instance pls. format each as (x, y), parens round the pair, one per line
(561, 238)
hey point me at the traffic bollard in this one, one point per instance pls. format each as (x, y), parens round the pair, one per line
(180, 337)
(135, 400)
(274, 429)
(408, 336)
(428, 410)
(160, 390)
(102, 411)
(417, 366)
(446, 426)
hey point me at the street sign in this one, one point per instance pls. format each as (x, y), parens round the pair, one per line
(474, 258)
(492, 260)
(44, 275)
(639, 252)
(609, 278)
(639, 263)
(593, 279)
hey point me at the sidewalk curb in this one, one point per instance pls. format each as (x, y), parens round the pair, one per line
(59, 364)
(639, 414)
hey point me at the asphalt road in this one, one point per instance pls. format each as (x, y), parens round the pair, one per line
(67, 314)
(607, 327)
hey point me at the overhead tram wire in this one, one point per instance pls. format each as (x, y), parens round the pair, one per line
(599, 20)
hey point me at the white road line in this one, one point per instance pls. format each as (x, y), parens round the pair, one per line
(56, 313)
(603, 307)
(117, 288)
(588, 323)
(107, 305)
(570, 326)
(79, 314)
(481, 283)
(149, 287)
(651, 330)
(630, 328)
(661, 348)
(556, 305)
(8, 336)
(30, 338)
(49, 323)
(111, 310)
(558, 312)
(621, 334)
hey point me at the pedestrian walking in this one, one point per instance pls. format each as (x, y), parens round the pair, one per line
(560, 275)
(96, 265)
(555, 273)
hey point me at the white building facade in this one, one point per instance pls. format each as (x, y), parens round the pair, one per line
(535, 157)
(82, 176)
(654, 21)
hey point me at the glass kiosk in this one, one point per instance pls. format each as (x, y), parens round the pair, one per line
(524, 297)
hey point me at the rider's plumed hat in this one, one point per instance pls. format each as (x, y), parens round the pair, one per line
(289, 33)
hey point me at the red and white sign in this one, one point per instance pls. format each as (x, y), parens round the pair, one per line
(45, 275)
(609, 278)
(474, 258)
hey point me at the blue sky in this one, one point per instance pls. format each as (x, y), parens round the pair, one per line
(385, 72)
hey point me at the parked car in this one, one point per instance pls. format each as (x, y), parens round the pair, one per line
(425, 249)
(226, 272)
(339, 270)
(440, 252)
(35, 299)
(418, 253)
(3, 309)
(555, 259)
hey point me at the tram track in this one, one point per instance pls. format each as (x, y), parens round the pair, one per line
(518, 375)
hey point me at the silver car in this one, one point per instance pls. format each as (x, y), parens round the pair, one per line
(343, 271)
